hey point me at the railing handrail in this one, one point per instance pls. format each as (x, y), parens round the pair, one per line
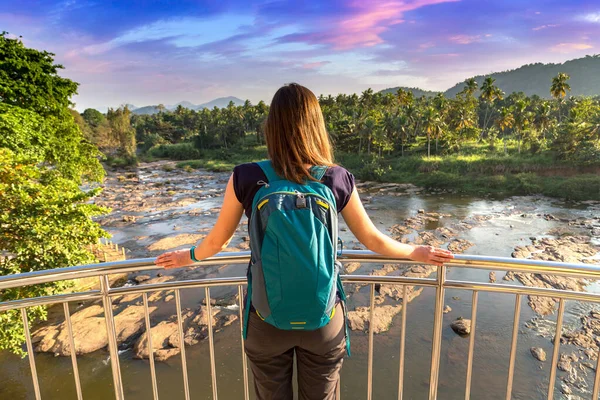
(141, 264)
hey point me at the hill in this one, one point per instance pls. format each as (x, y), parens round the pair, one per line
(415, 91)
(221, 102)
(145, 110)
(536, 78)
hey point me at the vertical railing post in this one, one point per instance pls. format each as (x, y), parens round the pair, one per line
(34, 376)
(244, 359)
(402, 342)
(150, 346)
(370, 355)
(73, 351)
(437, 333)
(471, 345)
(186, 385)
(211, 343)
(513, 346)
(112, 337)
(557, 336)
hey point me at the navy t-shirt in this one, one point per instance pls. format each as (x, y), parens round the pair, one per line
(246, 178)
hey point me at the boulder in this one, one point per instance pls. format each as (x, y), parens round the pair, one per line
(538, 353)
(89, 331)
(461, 326)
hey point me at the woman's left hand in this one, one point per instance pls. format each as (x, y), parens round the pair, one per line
(174, 259)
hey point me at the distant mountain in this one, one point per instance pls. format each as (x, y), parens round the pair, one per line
(415, 91)
(184, 104)
(534, 79)
(221, 102)
(537, 78)
(145, 110)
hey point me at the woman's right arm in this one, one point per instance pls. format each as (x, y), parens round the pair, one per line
(365, 231)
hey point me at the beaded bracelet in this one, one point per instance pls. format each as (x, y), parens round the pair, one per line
(192, 254)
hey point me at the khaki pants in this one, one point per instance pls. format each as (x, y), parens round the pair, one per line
(319, 355)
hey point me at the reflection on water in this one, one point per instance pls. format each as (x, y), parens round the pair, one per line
(514, 221)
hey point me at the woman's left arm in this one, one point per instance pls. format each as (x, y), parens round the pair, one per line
(218, 238)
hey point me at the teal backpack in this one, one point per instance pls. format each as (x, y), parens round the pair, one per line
(294, 275)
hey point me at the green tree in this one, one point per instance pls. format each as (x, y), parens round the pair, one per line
(489, 94)
(505, 121)
(120, 124)
(44, 158)
(433, 125)
(559, 90)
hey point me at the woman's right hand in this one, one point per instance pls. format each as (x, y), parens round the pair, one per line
(174, 259)
(431, 255)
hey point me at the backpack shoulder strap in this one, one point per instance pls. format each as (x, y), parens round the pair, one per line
(318, 172)
(269, 171)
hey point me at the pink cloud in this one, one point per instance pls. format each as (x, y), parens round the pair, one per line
(465, 39)
(315, 65)
(570, 47)
(366, 22)
(539, 28)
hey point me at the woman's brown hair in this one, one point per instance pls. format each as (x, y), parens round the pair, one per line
(295, 133)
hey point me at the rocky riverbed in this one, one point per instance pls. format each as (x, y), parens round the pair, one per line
(157, 207)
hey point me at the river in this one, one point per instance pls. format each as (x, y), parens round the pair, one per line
(510, 222)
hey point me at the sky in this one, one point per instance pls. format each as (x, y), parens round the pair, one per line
(149, 52)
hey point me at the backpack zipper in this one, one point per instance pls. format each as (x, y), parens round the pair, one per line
(295, 193)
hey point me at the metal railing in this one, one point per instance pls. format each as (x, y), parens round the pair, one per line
(440, 284)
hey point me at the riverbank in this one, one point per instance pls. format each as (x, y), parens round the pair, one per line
(157, 206)
(475, 172)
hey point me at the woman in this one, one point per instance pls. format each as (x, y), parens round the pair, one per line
(296, 141)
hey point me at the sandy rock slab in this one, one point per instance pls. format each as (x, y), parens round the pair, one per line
(166, 338)
(89, 331)
(358, 319)
(172, 242)
(572, 249)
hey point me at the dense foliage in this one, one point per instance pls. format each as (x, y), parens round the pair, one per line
(385, 123)
(44, 158)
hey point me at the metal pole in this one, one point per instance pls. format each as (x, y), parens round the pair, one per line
(557, 336)
(112, 337)
(471, 345)
(513, 346)
(437, 334)
(370, 356)
(34, 376)
(186, 386)
(213, 372)
(402, 342)
(73, 351)
(244, 359)
(150, 346)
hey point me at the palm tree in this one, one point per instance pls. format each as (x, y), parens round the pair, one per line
(489, 93)
(543, 118)
(432, 125)
(522, 119)
(505, 121)
(470, 87)
(559, 90)
(402, 124)
(405, 97)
